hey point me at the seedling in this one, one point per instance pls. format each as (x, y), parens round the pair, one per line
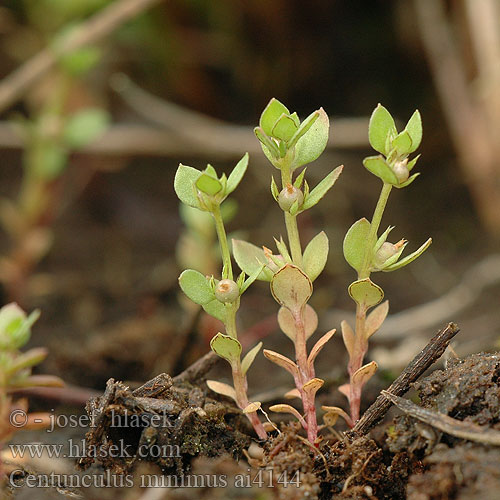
(366, 252)
(289, 145)
(15, 371)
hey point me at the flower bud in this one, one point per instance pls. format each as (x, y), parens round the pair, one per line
(227, 291)
(401, 170)
(288, 196)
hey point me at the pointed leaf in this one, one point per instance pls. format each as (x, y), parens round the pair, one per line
(298, 181)
(408, 181)
(250, 357)
(221, 388)
(380, 127)
(237, 174)
(402, 143)
(250, 258)
(310, 146)
(226, 347)
(414, 128)
(271, 114)
(412, 163)
(196, 286)
(366, 292)
(312, 386)
(208, 184)
(382, 239)
(274, 189)
(253, 277)
(283, 250)
(284, 128)
(287, 322)
(26, 360)
(377, 166)
(216, 309)
(318, 346)
(291, 288)
(315, 255)
(365, 373)
(355, 242)
(304, 128)
(375, 319)
(321, 189)
(185, 178)
(35, 381)
(409, 258)
(269, 147)
(295, 117)
(348, 337)
(282, 361)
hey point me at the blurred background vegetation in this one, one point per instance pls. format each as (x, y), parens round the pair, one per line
(100, 100)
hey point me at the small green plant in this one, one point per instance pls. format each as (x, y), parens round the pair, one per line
(367, 252)
(15, 371)
(290, 144)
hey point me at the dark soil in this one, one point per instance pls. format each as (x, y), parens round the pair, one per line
(401, 459)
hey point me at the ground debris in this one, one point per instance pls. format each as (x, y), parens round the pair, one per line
(179, 423)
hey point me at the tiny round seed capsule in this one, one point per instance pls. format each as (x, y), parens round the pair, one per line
(288, 196)
(227, 291)
(385, 252)
(401, 171)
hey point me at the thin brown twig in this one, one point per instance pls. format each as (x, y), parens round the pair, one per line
(423, 360)
(88, 32)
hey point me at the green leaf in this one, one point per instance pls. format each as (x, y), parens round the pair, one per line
(283, 250)
(316, 255)
(414, 128)
(284, 128)
(269, 147)
(295, 117)
(287, 322)
(409, 258)
(377, 166)
(381, 126)
(251, 278)
(208, 184)
(300, 178)
(272, 112)
(412, 163)
(366, 292)
(394, 258)
(185, 179)
(321, 189)
(250, 357)
(382, 239)
(274, 189)
(15, 326)
(291, 288)
(408, 181)
(196, 286)
(216, 309)
(85, 126)
(310, 146)
(226, 347)
(304, 128)
(237, 174)
(402, 143)
(249, 258)
(355, 242)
